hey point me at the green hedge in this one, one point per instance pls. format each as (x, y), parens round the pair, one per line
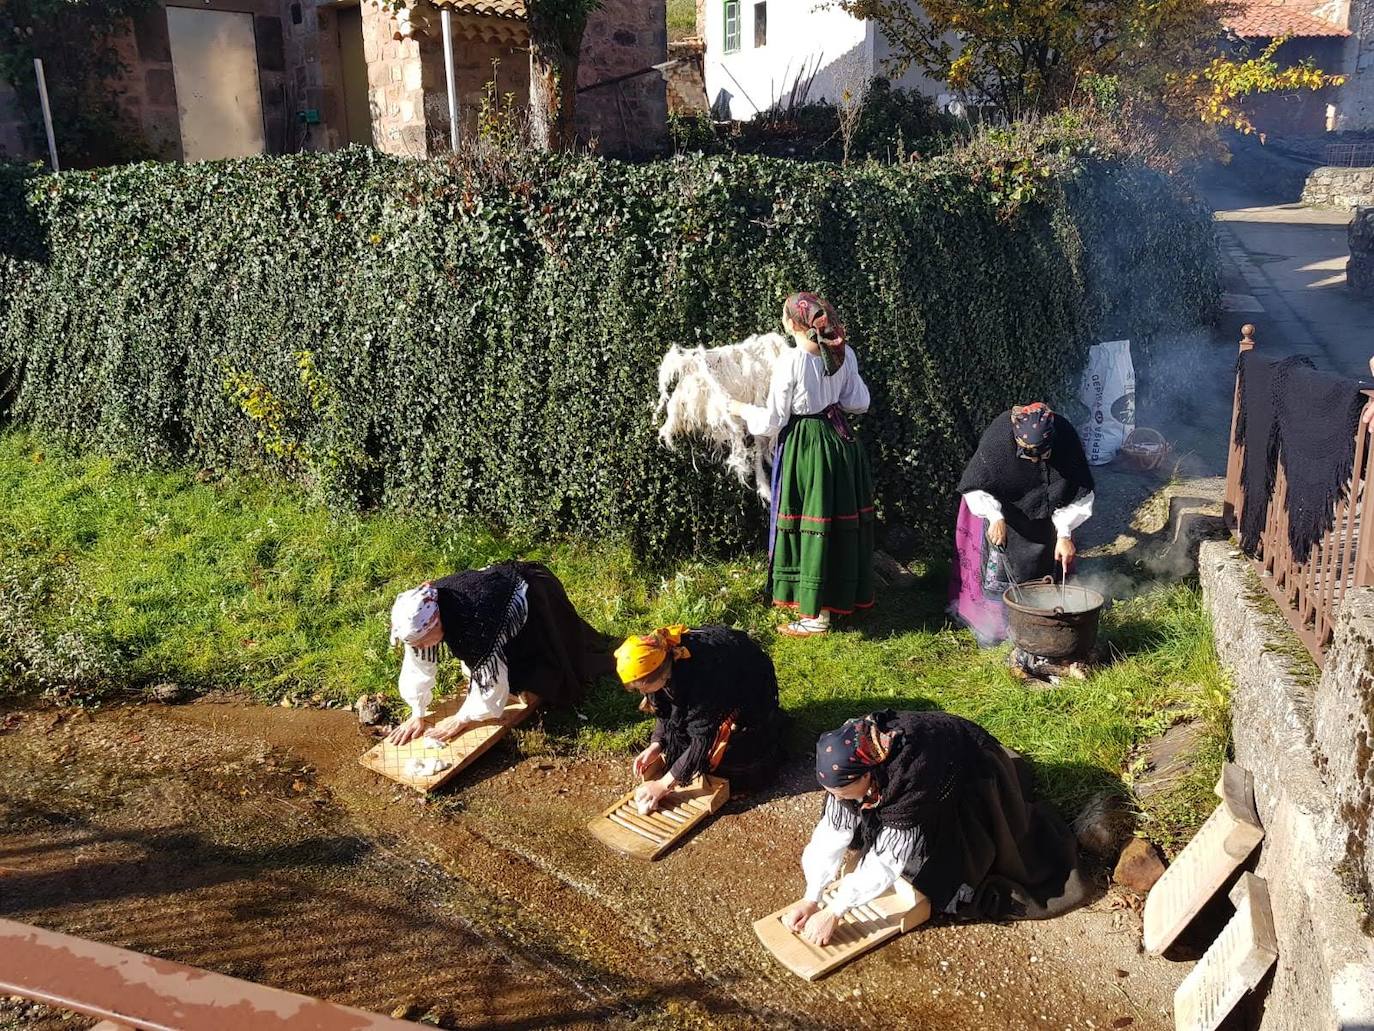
(484, 343)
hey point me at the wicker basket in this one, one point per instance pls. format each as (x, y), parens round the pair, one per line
(1144, 449)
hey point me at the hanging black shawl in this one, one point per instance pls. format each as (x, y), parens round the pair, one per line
(971, 805)
(1257, 427)
(1289, 409)
(726, 673)
(1318, 414)
(1029, 492)
(475, 607)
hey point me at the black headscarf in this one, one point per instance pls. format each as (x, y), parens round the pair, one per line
(845, 755)
(1033, 427)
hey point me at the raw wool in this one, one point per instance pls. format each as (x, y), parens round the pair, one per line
(695, 386)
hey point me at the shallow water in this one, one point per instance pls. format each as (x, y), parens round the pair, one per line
(249, 840)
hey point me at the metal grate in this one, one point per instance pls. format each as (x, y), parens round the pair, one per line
(1350, 155)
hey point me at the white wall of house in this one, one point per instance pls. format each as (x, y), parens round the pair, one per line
(802, 37)
(748, 72)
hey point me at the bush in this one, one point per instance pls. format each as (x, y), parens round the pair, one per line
(474, 345)
(892, 124)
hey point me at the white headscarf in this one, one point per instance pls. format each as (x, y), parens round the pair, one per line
(414, 614)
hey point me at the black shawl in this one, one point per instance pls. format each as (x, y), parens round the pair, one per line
(1029, 492)
(1288, 409)
(726, 673)
(475, 607)
(969, 806)
(1318, 414)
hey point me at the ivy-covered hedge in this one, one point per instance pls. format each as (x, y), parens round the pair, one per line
(485, 344)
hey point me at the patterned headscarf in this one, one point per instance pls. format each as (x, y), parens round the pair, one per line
(414, 614)
(822, 324)
(1033, 427)
(640, 656)
(845, 755)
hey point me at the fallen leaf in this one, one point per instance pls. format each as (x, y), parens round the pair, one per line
(1121, 1022)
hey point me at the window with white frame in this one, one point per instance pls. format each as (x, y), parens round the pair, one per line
(732, 26)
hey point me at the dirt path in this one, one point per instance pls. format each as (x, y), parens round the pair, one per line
(248, 840)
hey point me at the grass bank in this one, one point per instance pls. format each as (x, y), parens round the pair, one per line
(111, 578)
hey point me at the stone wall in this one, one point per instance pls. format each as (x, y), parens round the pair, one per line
(687, 79)
(1343, 730)
(1306, 741)
(14, 141)
(1359, 268)
(1332, 187)
(629, 118)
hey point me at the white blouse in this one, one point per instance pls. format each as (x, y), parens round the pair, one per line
(1066, 520)
(878, 868)
(800, 387)
(487, 693)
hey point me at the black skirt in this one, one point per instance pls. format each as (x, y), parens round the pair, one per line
(557, 655)
(1016, 854)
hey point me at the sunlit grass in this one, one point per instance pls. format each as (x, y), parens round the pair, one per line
(243, 584)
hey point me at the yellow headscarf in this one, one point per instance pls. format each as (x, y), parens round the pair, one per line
(640, 656)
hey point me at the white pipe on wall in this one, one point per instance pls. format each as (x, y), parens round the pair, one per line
(47, 112)
(446, 17)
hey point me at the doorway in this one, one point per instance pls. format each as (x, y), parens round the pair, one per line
(215, 66)
(357, 104)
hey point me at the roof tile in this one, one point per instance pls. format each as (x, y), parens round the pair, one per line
(1267, 19)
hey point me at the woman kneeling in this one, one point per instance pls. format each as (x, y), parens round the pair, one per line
(938, 800)
(714, 694)
(512, 627)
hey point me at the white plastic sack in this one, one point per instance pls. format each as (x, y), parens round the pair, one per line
(1108, 391)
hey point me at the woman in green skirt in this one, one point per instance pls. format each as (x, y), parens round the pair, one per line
(821, 522)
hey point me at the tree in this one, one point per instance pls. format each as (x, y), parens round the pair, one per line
(82, 68)
(556, 28)
(1162, 59)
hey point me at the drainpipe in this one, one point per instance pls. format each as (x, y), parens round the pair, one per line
(446, 18)
(47, 112)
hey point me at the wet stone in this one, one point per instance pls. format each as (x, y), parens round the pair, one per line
(170, 694)
(1139, 866)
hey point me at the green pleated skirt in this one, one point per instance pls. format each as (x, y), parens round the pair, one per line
(823, 544)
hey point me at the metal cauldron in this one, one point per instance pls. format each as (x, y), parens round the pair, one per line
(1053, 621)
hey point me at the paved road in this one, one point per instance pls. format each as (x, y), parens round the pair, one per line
(1285, 267)
(1284, 271)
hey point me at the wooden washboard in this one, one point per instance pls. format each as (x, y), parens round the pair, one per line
(900, 909)
(647, 837)
(390, 760)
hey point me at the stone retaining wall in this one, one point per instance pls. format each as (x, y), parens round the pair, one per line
(1306, 739)
(1333, 187)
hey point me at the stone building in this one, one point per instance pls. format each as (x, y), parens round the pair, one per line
(223, 78)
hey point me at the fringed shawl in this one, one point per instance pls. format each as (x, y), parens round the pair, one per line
(481, 610)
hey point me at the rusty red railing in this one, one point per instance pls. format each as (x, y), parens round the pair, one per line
(1309, 594)
(126, 989)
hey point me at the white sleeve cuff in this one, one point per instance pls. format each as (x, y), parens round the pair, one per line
(757, 421)
(416, 682)
(487, 701)
(983, 505)
(1072, 516)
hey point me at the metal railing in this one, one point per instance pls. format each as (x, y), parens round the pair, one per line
(126, 989)
(1309, 594)
(1349, 155)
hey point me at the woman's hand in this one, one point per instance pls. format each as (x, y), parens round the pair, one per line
(408, 731)
(1064, 551)
(736, 408)
(796, 917)
(649, 794)
(820, 927)
(448, 729)
(645, 759)
(997, 533)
